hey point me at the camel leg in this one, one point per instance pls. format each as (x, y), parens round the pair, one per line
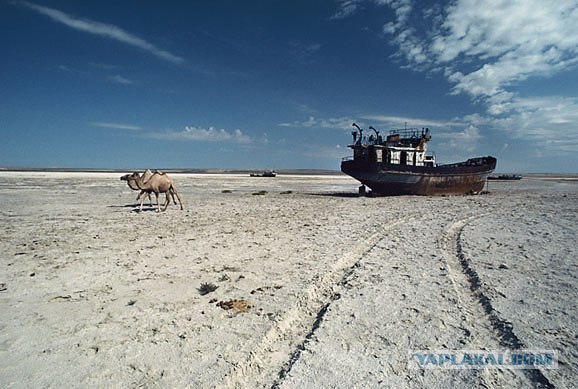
(158, 204)
(142, 196)
(142, 199)
(178, 197)
(167, 201)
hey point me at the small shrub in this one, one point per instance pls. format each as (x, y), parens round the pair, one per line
(224, 278)
(207, 288)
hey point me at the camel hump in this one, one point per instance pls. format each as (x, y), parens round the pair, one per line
(160, 173)
(146, 175)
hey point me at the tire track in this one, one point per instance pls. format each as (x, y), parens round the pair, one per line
(476, 304)
(290, 335)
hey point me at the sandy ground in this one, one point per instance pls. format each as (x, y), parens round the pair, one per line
(331, 290)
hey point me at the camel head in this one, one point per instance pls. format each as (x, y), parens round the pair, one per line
(130, 180)
(129, 177)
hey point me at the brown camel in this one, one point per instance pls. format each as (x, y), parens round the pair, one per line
(158, 183)
(129, 178)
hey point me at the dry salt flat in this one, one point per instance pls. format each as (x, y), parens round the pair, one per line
(315, 287)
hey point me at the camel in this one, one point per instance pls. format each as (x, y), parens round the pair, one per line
(158, 183)
(129, 178)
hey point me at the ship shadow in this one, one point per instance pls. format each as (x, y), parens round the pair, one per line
(357, 195)
(336, 194)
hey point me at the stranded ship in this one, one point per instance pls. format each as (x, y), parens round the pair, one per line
(401, 165)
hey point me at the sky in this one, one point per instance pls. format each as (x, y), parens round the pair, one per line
(277, 84)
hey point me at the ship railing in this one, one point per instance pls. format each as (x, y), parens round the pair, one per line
(348, 158)
(408, 133)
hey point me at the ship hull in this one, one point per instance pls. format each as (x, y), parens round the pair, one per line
(467, 177)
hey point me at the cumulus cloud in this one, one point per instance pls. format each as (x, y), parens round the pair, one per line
(551, 120)
(466, 139)
(210, 134)
(510, 40)
(104, 30)
(485, 48)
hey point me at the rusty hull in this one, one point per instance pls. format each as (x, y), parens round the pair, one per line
(387, 179)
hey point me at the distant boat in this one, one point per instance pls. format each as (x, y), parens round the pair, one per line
(269, 173)
(506, 177)
(400, 165)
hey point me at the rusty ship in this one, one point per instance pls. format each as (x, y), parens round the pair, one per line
(399, 164)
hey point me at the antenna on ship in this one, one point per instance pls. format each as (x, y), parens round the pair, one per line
(378, 137)
(355, 134)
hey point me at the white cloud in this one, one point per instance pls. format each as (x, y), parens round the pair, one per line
(346, 8)
(305, 53)
(330, 153)
(304, 108)
(466, 140)
(119, 126)
(487, 47)
(117, 78)
(105, 30)
(511, 40)
(551, 120)
(396, 122)
(484, 48)
(388, 122)
(343, 123)
(209, 134)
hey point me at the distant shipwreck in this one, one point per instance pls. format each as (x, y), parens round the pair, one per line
(400, 165)
(267, 173)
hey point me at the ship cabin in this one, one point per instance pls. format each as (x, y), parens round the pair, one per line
(401, 147)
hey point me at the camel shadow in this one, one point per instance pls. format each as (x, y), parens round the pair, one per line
(136, 207)
(144, 209)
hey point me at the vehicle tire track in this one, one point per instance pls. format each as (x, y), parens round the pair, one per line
(289, 335)
(477, 306)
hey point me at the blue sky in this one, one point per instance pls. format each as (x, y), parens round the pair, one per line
(277, 84)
